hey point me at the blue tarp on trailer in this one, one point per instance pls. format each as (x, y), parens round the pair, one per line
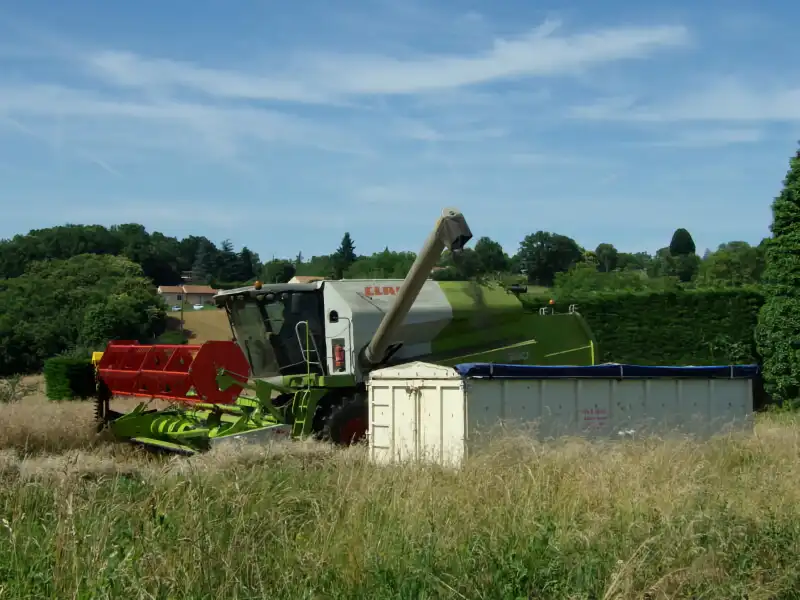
(607, 371)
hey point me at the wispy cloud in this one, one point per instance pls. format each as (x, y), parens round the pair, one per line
(130, 70)
(181, 125)
(551, 159)
(539, 53)
(191, 108)
(415, 129)
(722, 100)
(52, 140)
(708, 138)
(321, 78)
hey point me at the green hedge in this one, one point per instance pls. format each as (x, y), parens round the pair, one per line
(68, 378)
(691, 327)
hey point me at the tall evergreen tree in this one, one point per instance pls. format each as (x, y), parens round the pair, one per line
(779, 319)
(681, 243)
(344, 256)
(247, 265)
(202, 266)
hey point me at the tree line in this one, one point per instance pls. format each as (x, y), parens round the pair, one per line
(551, 259)
(163, 259)
(543, 258)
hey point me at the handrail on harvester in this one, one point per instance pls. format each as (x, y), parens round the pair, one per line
(180, 372)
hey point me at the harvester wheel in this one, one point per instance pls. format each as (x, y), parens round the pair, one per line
(347, 423)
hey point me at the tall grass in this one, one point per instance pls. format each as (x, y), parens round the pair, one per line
(571, 519)
(14, 389)
(38, 425)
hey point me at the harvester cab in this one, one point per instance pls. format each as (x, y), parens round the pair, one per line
(304, 351)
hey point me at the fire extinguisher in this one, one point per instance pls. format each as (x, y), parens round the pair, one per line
(338, 357)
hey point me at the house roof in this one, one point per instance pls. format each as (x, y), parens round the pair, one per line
(199, 289)
(186, 289)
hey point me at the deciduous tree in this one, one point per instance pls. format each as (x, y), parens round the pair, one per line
(543, 254)
(607, 257)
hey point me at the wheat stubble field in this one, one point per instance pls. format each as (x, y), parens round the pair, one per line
(84, 518)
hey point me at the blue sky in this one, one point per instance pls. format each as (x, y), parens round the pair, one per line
(280, 125)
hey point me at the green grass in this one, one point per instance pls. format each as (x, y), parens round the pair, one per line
(537, 290)
(668, 518)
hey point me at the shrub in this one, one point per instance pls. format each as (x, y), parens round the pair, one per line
(12, 389)
(69, 378)
(171, 338)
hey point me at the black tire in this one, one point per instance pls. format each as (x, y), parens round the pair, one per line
(347, 422)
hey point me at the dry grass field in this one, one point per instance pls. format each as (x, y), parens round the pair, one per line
(81, 517)
(202, 325)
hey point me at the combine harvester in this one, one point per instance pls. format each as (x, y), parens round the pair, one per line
(305, 352)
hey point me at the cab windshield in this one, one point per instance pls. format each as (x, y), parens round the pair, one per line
(272, 332)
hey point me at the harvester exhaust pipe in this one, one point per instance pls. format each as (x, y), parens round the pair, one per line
(451, 232)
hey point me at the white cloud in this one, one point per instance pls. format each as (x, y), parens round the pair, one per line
(323, 77)
(722, 100)
(539, 53)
